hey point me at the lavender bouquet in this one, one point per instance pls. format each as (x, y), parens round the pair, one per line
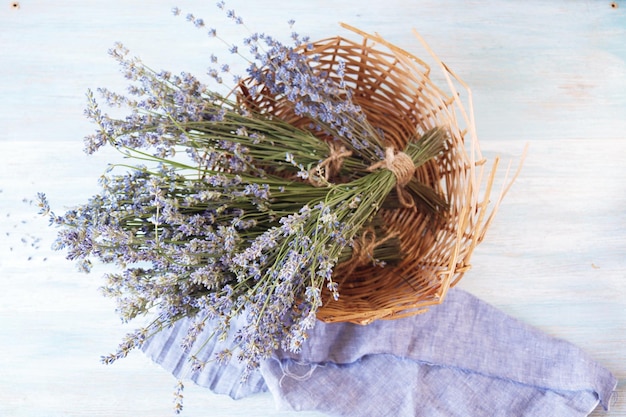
(222, 209)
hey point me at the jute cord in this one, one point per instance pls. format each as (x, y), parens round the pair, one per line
(363, 249)
(329, 167)
(403, 168)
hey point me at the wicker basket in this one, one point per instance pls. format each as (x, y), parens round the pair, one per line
(394, 90)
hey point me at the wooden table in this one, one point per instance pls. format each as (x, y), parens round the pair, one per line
(548, 74)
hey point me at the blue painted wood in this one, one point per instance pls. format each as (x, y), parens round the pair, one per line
(550, 74)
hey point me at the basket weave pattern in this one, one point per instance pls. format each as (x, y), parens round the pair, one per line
(394, 90)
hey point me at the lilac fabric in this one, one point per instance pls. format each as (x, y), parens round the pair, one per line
(461, 358)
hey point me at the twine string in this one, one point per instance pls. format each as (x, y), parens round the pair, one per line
(403, 168)
(363, 250)
(329, 167)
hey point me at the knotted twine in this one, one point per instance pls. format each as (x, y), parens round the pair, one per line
(363, 248)
(400, 164)
(403, 168)
(362, 251)
(320, 175)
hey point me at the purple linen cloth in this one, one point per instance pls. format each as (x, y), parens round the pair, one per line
(461, 358)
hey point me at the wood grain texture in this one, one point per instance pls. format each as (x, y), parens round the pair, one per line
(548, 74)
